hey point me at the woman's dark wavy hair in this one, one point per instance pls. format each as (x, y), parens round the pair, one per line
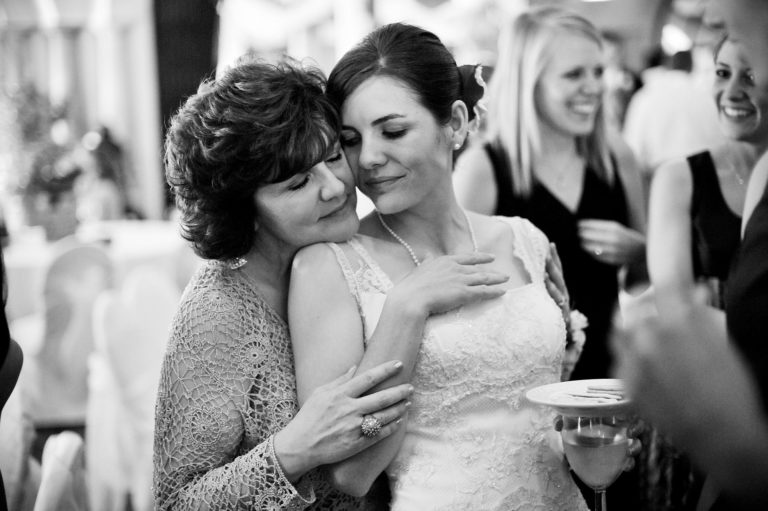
(257, 124)
(407, 53)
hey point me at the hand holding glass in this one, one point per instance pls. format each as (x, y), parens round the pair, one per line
(597, 449)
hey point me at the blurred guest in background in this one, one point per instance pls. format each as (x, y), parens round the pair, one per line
(254, 161)
(549, 159)
(711, 396)
(695, 228)
(696, 203)
(621, 82)
(101, 191)
(672, 115)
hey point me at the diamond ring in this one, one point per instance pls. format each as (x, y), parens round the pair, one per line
(370, 426)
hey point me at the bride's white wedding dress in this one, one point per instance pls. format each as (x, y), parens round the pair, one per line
(472, 441)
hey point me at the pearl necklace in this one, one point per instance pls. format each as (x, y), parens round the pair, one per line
(410, 249)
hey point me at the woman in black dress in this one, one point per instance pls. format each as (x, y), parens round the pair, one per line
(548, 158)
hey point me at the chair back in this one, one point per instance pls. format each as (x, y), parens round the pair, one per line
(62, 481)
(131, 329)
(77, 274)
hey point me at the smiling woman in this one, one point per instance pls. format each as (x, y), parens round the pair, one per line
(255, 164)
(549, 157)
(418, 283)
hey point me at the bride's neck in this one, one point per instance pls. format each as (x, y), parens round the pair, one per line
(434, 230)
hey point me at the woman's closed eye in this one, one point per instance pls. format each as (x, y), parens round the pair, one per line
(349, 140)
(334, 157)
(300, 182)
(394, 134)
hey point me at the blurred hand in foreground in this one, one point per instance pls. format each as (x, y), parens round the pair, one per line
(685, 378)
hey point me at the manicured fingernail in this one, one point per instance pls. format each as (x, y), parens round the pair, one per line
(399, 421)
(407, 404)
(398, 364)
(410, 389)
(352, 369)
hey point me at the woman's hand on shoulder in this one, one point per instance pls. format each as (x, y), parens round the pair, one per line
(327, 428)
(444, 283)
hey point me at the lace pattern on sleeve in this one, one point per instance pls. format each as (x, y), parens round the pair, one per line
(226, 387)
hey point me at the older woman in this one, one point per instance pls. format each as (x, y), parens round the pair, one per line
(255, 164)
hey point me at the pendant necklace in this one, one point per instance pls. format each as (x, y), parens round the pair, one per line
(409, 249)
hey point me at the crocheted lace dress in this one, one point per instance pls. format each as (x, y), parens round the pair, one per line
(472, 441)
(227, 386)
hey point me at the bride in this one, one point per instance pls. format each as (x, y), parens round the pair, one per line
(470, 440)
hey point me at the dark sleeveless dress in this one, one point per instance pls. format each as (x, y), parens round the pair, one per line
(593, 285)
(715, 229)
(669, 479)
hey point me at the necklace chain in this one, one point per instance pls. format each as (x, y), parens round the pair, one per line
(408, 247)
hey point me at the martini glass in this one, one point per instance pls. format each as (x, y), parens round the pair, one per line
(596, 447)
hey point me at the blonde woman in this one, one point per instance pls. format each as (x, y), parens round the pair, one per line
(548, 158)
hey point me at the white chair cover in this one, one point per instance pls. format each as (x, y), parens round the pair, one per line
(62, 484)
(131, 328)
(54, 377)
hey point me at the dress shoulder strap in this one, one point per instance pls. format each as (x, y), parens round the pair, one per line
(346, 269)
(704, 179)
(531, 246)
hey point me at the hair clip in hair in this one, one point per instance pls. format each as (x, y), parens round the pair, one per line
(237, 262)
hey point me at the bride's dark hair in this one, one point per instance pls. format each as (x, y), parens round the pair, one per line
(406, 53)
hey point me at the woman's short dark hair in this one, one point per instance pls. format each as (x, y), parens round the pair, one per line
(259, 123)
(407, 53)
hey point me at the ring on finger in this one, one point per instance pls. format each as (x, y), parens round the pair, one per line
(370, 426)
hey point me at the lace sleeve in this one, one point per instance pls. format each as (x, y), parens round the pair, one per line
(202, 459)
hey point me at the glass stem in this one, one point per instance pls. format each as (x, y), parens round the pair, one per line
(600, 504)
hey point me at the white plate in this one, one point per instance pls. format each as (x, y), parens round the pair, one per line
(581, 397)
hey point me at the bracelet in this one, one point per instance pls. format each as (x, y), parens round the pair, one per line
(273, 455)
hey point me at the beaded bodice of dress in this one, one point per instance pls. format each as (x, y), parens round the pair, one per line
(472, 441)
(227, 385)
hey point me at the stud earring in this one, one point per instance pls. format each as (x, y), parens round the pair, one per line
(457, 146)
